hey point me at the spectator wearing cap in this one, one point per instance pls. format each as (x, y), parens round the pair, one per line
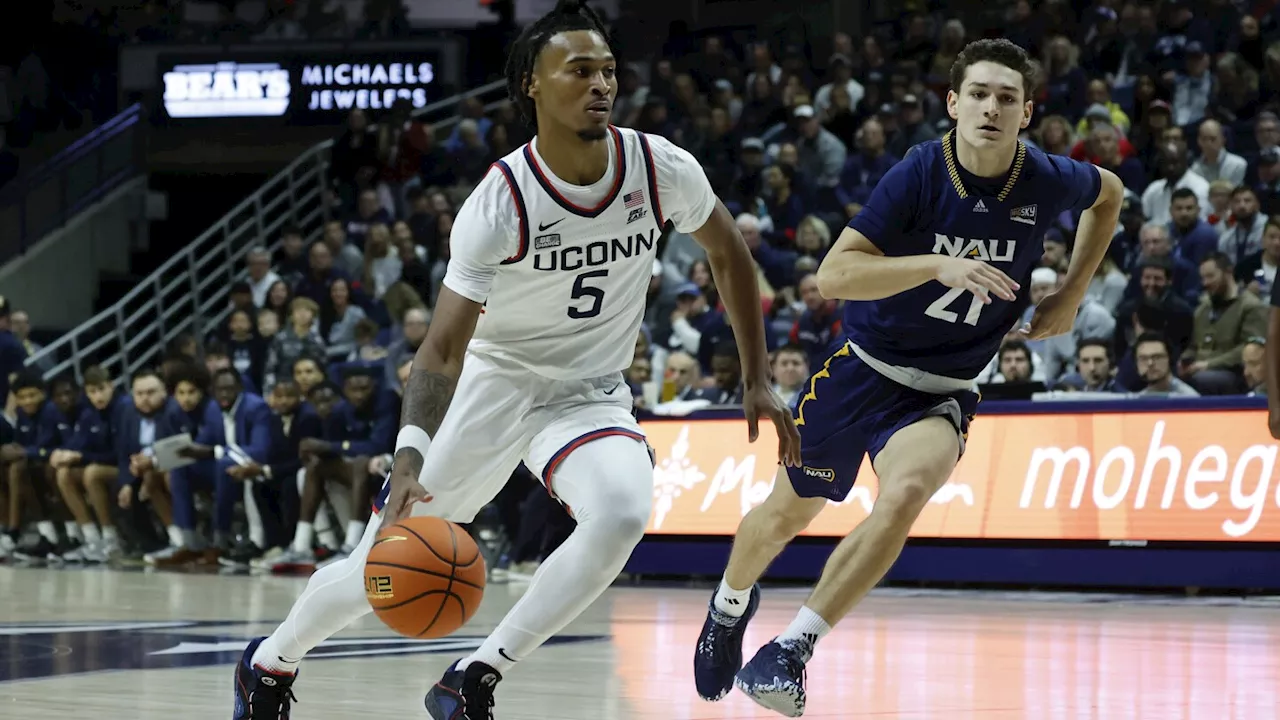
(1244, 237)
(821, 155)
(841, 69)
(1192, 237)
(1156, 245)
(912, 127)
(864, 168)
(1193, 88)
(1215, 161)
(12, 354)
(1157, 197)
(1102, 110)
(692, 318)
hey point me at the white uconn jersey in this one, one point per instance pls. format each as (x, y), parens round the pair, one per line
(569, 301)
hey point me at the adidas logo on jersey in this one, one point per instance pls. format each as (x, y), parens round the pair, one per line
(980, 207)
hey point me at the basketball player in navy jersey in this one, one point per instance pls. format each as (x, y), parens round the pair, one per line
(935, 270)
(552, 257)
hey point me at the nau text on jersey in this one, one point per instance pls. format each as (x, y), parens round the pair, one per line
(986, 250)
(601, 252)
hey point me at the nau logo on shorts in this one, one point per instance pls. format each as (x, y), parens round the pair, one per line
(542, 242)
(820, 473)
(1025, 214)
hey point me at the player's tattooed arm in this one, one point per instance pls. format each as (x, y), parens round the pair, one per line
(436, 368)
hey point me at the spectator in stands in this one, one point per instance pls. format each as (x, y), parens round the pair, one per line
(470, 157)
(1157, 250)
(1157, 198)
(382, 265)
(236, 430)
(401, 142)
(12, 353)
(727, 371)
(1095, 371)
(268, 325)
(347, 258)
(1220, 206)
(320, 275)
(369, 212)
(821, 155)
(291, 261)
(1193, 87)
(1193, 238)
(1254, 357)
(790, 370)
(1215, 161)
(1268, 186)
(818, 328)
(20, 325)
(1244, 235)
(42, 425)
(1108, 285)
(278, 299)
(864, 168)
(217, 357)
(261, 276)
(338, 320)
(86, 466)
(1258, 271)
(1103, 149)
(140, 486)
(308, 373)
(240, 297)
(299, 339)
(365, 345)
(1224, 321)
(1153, 356)
(245, 348)
(355, 151)
(413, 332)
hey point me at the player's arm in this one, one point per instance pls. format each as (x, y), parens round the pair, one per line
(1273, 362)
(1097, 227)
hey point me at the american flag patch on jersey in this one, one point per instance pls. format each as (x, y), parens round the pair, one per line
(633, 199)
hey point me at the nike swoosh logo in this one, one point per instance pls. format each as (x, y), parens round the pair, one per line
(543, 228)
(503, 653)
(615, 387)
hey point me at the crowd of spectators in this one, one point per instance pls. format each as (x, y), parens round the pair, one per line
(1182, 106)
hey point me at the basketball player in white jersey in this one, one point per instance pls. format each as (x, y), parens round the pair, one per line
(544, 296)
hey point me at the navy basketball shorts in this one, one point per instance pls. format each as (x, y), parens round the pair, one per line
(847, 411)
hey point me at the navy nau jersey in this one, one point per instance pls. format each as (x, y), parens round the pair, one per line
(929, 204)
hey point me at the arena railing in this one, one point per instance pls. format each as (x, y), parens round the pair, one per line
(41, 201)
(189, 292)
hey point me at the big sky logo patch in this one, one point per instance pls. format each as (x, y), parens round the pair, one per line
(32, 651)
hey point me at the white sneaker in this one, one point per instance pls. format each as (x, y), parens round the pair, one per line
(95, 553)
(76, 555)
(267, 559)
(291, 561)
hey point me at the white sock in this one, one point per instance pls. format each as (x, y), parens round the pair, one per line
(91, 534)
(109, 534)
(731, 602)
(334, 598)
(588, 562)
(48, 531)
(303, 536)
(73, 530)
(175, 536)
(355, 531)
(808, 628)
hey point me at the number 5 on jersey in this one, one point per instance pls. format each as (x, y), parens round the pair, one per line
(593, 296)
(938, 308)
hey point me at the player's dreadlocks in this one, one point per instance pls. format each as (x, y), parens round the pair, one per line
(569, 15)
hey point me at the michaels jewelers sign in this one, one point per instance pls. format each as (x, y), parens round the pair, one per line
(295, 90)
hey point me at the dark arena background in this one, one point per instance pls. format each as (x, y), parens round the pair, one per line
(271, 185)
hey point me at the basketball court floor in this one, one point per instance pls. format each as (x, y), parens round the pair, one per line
(111, 645)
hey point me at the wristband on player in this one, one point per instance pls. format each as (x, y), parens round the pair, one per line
(412, 436)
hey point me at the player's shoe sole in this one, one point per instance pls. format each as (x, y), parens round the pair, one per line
(718, 655)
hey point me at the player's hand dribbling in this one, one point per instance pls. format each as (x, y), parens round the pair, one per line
(760, 400)
(405, 492)
(980, 278)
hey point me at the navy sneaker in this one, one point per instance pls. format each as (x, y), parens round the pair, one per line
(260, 694)
(464, 694)
(775, 677)
(718, 656)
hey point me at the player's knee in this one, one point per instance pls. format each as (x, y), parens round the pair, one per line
(901, 499)
(66, 480)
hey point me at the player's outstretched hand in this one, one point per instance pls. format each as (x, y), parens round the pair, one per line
(1055, 315)
(979, 278)
(405, 492)
(762, 401)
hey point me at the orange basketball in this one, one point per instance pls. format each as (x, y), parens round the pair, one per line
(424, 577)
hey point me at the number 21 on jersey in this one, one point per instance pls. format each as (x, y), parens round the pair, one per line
(938, 308)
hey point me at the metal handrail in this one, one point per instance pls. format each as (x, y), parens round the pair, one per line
(133, 332)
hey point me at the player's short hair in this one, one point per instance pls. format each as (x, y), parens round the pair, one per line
(194, 373)
(1241, 189)
(96, 376)
(145, 373)
(568, 16)
(1183, 194)
(1021, 346)
(1153, 337)
(62, 380)
(230, 372)
(1272, 222)
(216, 348)
(1001, 52)
(1161, 264)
